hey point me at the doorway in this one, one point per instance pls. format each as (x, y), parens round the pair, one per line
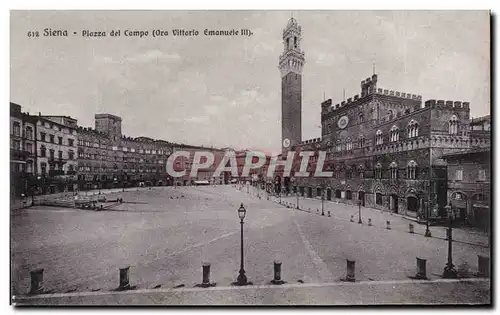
(393, 201)
(412, 203)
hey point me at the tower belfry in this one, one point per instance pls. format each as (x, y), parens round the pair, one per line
(291, 63)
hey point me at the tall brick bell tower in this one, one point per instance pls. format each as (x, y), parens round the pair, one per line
(290, 63)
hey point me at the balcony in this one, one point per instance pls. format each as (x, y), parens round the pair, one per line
(17, 154)
(59, 161)
(56, 173)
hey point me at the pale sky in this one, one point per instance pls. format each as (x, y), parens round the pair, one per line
(226, 91)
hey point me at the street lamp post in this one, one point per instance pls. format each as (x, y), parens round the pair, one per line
(298, 198)
(242, 278)
(427, 230)
(123, 181)
(322, 202)
(428, 209)
(359, 212)
(449, 269)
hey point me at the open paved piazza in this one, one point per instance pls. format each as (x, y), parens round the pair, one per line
(165, 234)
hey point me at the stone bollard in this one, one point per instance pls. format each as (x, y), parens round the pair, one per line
(36, 281)
(206, 273)
(369, 222)
(205, 282)
(124, 278)
(329, 214)
(388, 225)
(483, 266)
(421, 269)
(277, 273)
(352, 218)
(351, 274)
(411, 229)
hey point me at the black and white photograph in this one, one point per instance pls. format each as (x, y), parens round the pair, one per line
(250, 158)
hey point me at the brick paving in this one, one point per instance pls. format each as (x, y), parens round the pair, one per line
(165, 234)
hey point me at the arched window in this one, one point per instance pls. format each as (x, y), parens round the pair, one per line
(361, 118)
(390, 115)
(412, 129)
(379, 140)
(338, 146)
(361, 171)
(29, 133)
(378, 171)
(394, 134)
(412, 170)
(349, 144)
(348, 172)
(478, 197)
(453, 125)
(394, 170)
(361, 141)
(43, 167)
(16, 128)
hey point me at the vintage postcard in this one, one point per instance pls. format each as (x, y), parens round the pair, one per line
(250, 158)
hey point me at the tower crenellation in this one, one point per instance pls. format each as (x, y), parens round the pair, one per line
(446, 104)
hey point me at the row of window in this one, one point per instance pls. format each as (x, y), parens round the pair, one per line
(43, 137)
(22, 167)
(103, 157)
(58, 128)
(412, 132)
(89, 144)
(481, 175)
(16, 145)
(411, 170)
(16, 131)
(412, 129)
(43, 153)
(88, 168)
(378, 172)
(43, 168)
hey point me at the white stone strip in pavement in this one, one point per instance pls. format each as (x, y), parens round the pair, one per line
(320, 266)
(251, 287)
(188, 248)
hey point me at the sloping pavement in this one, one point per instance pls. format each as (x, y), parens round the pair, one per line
(465, 292)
